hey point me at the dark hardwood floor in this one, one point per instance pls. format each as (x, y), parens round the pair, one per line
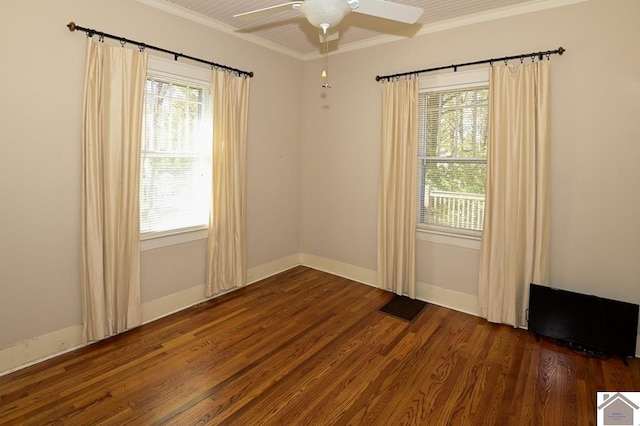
(309, 348)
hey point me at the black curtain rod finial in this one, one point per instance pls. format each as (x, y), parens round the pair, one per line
(72, 26)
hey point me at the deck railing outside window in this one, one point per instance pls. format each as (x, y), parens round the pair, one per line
(454, 209)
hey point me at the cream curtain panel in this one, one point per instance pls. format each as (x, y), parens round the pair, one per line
(111, 132)
(227, 245)
(515, 243)
(397, 198)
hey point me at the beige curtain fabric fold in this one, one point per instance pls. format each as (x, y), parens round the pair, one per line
(515, 242)
(111, 132)
(227, 245)
(397, 198)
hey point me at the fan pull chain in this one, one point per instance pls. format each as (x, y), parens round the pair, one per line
(326, 55)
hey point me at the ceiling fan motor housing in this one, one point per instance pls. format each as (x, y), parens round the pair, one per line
(319, 13)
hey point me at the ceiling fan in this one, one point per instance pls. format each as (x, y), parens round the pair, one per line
(326, 14)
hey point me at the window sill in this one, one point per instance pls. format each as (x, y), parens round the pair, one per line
(150, 242)
(457, 240)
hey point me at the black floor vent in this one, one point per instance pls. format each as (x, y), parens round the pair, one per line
(403, 307)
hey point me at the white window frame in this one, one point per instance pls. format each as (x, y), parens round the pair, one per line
(451, 81)
(175, 71)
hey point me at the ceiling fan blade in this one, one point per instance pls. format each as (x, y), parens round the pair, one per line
(332, 34)
(389, 10)
(269, 10)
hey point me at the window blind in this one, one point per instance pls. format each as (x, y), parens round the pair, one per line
(452, 155)
(175, 187)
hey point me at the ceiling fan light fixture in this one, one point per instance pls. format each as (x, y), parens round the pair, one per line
(325, 12)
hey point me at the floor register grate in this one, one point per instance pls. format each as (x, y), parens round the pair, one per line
(404, 307)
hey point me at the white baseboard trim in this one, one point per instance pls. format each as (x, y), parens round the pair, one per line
(272, 268)
(172, 303)
(451, 299)
(345, 270)
(456, 300)
(176, 302)
(41, 348)
(32, 351)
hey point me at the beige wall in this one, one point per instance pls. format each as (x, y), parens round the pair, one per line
(313, 154)
(40, 109)
(595, 230)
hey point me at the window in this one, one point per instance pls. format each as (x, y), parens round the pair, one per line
(452, 153)
(175, 169)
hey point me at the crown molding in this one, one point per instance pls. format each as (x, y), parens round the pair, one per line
(198, 18)
(530, 7)
(521, 9)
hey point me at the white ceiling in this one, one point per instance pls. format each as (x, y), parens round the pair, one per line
(290, 33)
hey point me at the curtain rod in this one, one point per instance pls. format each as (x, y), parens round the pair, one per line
(455, 67)
(90, 33)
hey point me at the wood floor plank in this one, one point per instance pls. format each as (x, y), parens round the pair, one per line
(277, 351)
(308, 348)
